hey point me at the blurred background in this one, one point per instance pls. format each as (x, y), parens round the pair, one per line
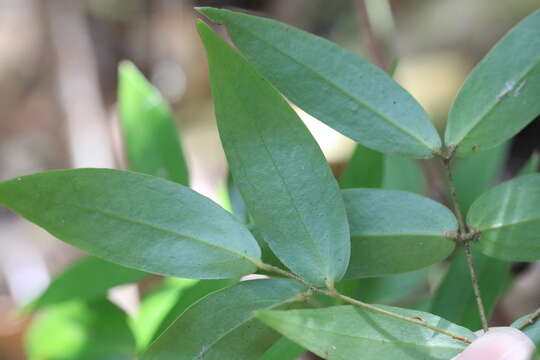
(58, 80)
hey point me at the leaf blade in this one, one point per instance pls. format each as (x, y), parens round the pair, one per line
(129, 218)
(339, 88)
(395, 231)
(508, 218)
(279, 169)
(150, 134)
(504, 85)
(217, 325)
(345, 332)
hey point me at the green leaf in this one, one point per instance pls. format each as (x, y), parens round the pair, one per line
(365, 169)
(475, 174)
(150, 134)
(334, 85)
(238, 205)
(87, 279)
(135, 220)
(163, 306)
(283, 349)
(404, 174)
(289, 190)
(508, 217)
(222, 325)
(346, 332)
(454, 299)
(500, 97)
(396, 231)
(531, 166)
(80, 331)
(532, 330)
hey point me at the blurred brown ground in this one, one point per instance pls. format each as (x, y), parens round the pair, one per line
(58, 61)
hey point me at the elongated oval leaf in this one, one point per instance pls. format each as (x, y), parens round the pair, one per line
(531, 166)
(80, 331)
(508, 217)
(135, 220)
(222, 325)
(500, 97)
(87, 279)
(396, 231)
(336, 86)
(345, 332)
(278, 167)
(454, 299)
(150, 135)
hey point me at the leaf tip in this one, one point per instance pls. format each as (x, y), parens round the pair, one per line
(210, 12)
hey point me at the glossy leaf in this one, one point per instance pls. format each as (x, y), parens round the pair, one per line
(163, 306)
(80, 331)
(334, 85)
(150, 134)
(454, 298)
(508, 217)
(531, 166)
(365, 169)
(222, 325)
(346, 332)
(283, 349)
(500, 97)
(475, 174)
(289, 190)
(86, 279)
(135, 220)
(532, 330)
(396, 231)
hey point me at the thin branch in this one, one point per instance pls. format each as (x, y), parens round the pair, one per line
(453, 196)
(333, 293)
(531, 320)
(476, 288)
(375, 48)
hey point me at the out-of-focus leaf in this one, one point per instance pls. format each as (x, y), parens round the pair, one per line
(336, 86)
(135, 220)
(289, 190)
(283, 349)
(531, 166)
(475, 174)
(80, 331)
(404, 174)
(238, 205)
(454, 299)
(500, 97)
(532, 330)
(365, 169)
(508, 217)
(222, 325)
(395, 231)
(87, 279)
(150, 135)
(345, 332)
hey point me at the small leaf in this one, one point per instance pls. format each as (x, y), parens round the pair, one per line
(289, 190)
(475, 174)
(135, 220)
(531, 166)
(365, 169)
(222, 326)
(346, 332)
(87, 279)
(150, 134)
(334, 85)
(508, 217)
(283, 349)
(454, 299)
(500, 97)
(160, 308)
(80, 331)
(395, 231)
(532, 330)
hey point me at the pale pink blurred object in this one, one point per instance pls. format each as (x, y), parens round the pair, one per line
(499, 343)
